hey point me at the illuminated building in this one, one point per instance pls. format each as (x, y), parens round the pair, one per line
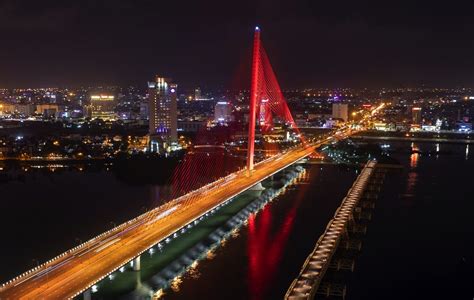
(464, 125)
(416, 115)
(340, 111)
(102, 107)
(163, 109)
(47, 110)
(6, 108)
(23, 109)
(223, 112)
(264, 112)
(197, 94)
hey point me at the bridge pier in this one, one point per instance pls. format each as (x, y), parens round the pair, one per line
(257, 187)
(87, 294)
(136, 263)
(138, 282)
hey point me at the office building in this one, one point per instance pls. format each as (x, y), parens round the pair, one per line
(223, 112)
(340, 111)
(6, 108)
(102, 106)
(22, 109)
(48, 110)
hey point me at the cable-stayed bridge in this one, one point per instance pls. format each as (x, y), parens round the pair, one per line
(76, 270)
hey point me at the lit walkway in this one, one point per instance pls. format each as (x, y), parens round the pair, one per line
(313, 270)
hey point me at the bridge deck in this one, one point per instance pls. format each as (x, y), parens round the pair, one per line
(78, 269)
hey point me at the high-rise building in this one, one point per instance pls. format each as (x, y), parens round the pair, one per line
(163, 109)
(416, 115)
(197, 94)
(223, 112)
(340, 111)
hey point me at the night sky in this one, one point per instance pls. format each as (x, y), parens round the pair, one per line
(208, 43)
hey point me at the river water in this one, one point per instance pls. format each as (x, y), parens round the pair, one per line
(420, 244)
(44, 212)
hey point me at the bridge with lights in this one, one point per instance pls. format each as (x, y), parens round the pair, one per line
(77, 270)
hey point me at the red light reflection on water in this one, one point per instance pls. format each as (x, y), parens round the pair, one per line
(265, 247)
(411, 183)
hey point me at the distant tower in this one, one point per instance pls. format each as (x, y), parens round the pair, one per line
(163, 108)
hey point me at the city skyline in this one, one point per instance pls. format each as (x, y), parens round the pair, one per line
(359, 45)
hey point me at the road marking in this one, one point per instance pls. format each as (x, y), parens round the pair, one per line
(107, 245)
(163, 214)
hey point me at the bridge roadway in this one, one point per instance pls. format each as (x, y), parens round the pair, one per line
(78, 269)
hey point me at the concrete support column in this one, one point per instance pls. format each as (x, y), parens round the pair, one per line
(136, 263)
(87, 295)
(138, 280)
(257, 187)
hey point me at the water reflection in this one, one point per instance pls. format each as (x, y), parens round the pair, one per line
(265, 249)
(414, 156)
(412, 180)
